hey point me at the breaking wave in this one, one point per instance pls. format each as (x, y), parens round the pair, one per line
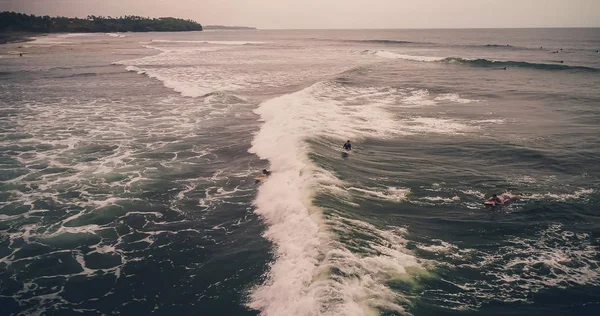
(481, 62)
(379, 41)
(314, 273)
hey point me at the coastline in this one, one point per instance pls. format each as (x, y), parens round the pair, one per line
(17, 37)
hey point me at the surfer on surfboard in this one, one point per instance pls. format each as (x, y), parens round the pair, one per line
(495, 199)
(347, 148)
(265, 173)
(501, 199)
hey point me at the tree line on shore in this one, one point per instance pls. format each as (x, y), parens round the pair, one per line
(19, 22)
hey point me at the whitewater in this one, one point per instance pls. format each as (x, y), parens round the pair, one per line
(130, 173)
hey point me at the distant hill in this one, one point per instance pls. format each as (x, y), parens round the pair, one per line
(223, 27)
(19, 22)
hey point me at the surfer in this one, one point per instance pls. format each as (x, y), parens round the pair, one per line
(266, 173)
(348, 146)
(495, 199)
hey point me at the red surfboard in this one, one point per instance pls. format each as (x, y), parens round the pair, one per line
(505, 199)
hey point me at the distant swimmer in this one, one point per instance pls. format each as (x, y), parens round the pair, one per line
(20, 54)
(266, 172)
(348, 146)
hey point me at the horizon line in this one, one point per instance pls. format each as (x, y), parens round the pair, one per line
(432, 28)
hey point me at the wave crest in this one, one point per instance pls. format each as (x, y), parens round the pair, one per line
(379, 41)
(481, 62)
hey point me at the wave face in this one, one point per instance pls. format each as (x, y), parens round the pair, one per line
(382, 41)
(520, 64)
(480, 62)
(392, 55)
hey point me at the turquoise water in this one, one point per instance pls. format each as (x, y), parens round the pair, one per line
(128, 164)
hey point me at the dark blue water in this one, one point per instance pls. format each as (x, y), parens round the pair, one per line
(128, 170)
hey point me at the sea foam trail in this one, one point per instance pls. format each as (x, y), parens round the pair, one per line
(301, 280)
(481, 62)
(210, 42)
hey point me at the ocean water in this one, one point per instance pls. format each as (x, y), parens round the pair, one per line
(128, 165)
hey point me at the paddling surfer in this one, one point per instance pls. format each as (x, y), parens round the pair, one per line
(348, 146)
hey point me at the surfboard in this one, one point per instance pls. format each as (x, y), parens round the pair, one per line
(260, 178)
(505, 200)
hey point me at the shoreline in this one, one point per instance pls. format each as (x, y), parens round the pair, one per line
(17, 37)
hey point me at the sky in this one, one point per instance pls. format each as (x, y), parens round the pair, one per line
(335, 14)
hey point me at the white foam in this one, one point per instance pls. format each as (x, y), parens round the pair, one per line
(299, 281)
(525, 179)
(475, 193)
(115, 35)
(390, 193)
(187, 89)
(214, 194)
(553, 258)
(392, 55)
(240, 69)
(581, 193)
(569, 264)
(435, 125)
(454, 97)
(441, 199)
(134, 69)
(175, 68)
(79, 258)
(209, 42)
(440, 247)
(418, 98)
(74, 35)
